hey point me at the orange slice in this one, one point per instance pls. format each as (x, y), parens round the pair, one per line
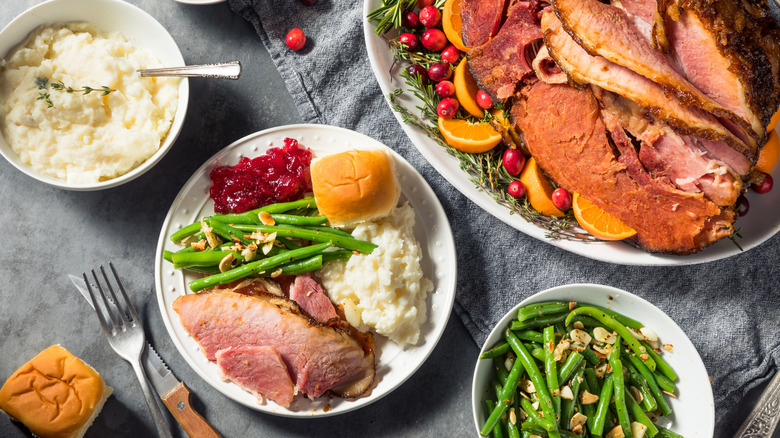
(466, 90)
(450, 22)
(773, 122)
(473, 138)
(598, 222)
(769, 153)
(538, 189)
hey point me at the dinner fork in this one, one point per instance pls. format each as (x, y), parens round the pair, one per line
(125, 334)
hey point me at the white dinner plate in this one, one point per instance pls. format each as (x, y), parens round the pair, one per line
(394, 364)
(759, 225)
(693, 410)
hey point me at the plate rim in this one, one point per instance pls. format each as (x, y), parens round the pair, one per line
(448, 287)
(619, 253)
(583, 289)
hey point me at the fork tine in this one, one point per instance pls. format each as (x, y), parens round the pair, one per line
(130, 306)
(114, 323)
(101, 318)
(117, 303)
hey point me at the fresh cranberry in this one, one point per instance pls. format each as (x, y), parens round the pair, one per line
(513, 161)
(448, 107)
(450, 54)
(410, 40)
(423, 3)
(483, 100)
(440, 71)
(410, 20)
(561, 199)
(434, 40)
(743, 206)
(516, 189)
(445, 89)
(430, 16)
(296, 39)
(418, 70)
(765, 185)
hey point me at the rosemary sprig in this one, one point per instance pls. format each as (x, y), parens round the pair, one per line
(389, 15)
(736, 236)
(43, 84)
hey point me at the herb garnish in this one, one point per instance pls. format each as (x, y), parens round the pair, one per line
(42, 84)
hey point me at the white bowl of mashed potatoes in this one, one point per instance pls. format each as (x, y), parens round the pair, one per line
(74, 112)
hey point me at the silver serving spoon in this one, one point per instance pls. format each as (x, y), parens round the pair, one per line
(764, 418)
(222, 70)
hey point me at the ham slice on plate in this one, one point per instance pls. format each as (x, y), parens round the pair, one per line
(259, 370)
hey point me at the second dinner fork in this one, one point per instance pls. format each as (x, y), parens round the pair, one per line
(125, 334)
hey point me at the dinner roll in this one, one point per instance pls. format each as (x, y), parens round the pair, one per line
(55, 394)
(355, 186)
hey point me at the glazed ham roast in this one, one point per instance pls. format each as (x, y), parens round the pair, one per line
(654, 110)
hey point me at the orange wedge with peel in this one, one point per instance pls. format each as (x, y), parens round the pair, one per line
(473, 138)
(466, 90)
(769, 153)
(598, 222)
(773, 122)
(450, 22)
(538, 189)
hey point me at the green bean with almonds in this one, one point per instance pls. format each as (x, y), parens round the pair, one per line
(661, 364)
(551, 370)
(315, 236)
(640, 416)
(542, 309)
(654, 389)
(619, 388)
(602, 410)
(506, 396)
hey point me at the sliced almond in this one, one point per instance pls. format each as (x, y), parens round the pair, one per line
(603, 335)
(580, 336)
(562, 347)
(578, 325)
(616, 432)
(266, 218)
(601, 370)
(509, 362)
(276, 273)
(577, 420)
(638, 429)
(249, 252)
(527, 386)
(636, 393)
(566, 393)
(668, 347)
(586, 398)
(512, 416)
(226, 263)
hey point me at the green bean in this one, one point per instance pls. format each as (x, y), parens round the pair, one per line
(541, 309)
(342, 255)
(664, 382)
(529, 426)
(315, 236)
(654, 389)
(551, 370)
(201, 258)
(497, 386)
(538, 353)
(499, 350)
(530, 335)
(640, 416)
(289, 219)
(593, 381)
(590, 356)
(501, 371)
(569, 367)
(588, 410)
(508, 391)
(184, 232)
(540, 321)
(636, 379)
(329, 230)
(168, 256)
(299, 267)
(663, 366)
(587, 321)
(497, 432)
(567, 406)
(256, 267)
(666, 433)
(226, 231)
(252, 216)
(623, 319)
(536, 419)
(288, 243)
(514, 432)
(619, 387)
(613, 324)
(533, 372)
(237, 218)
(598, 420)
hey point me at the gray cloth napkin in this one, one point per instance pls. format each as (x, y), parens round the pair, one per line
(729, 308)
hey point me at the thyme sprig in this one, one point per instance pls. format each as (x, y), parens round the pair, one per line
(43, 84)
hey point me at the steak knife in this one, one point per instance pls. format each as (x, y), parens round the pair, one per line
(174, 394)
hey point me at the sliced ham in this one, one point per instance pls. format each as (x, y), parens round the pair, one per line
(647, 16)
(309, 295)
(480, 20)
(500, 64)
(586, 69)
(259, 370)
(318, 357)
(608, 31)
(564, 131)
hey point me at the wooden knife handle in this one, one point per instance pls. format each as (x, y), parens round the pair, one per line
(178, 402)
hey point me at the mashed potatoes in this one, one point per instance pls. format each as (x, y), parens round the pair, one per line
(385, 290)
(83, 138)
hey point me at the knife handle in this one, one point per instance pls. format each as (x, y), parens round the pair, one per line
(178, 402)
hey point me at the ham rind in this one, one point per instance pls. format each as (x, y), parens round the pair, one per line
(586, 69)
(259, 370)
(607, 31)
(647, 17)
(309, 295)
(480, 20)
(318, 357)
(500, 65)
(564, 131)
(665, 154)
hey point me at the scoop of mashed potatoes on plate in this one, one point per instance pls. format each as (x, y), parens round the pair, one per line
(77, 136)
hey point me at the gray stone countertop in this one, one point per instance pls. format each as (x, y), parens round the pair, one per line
(51, 232)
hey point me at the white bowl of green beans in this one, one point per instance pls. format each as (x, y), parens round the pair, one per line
(574, 361)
